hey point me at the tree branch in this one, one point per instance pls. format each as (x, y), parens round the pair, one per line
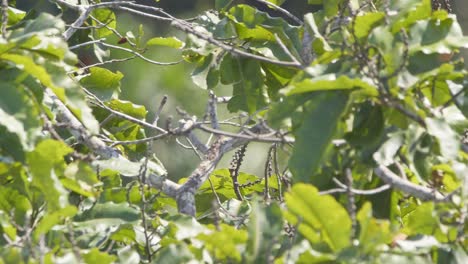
(405, 186)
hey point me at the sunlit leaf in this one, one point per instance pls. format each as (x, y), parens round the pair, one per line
(171, 42)
(318, 217)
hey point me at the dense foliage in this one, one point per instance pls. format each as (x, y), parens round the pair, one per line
(362, 107)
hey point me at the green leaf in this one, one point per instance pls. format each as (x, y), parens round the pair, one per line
(28, 65)
(96, 256)
(364, 24)
(14, 137)
(386, 153)
(229, 70)
(171, 42)
(437, 36)
(449, 142)
(102, 82)
(252, 24)
(372, 232)
(264, 227)
(130, 168)
(122, 213)
(179, 253)
(330, 82)
(248, 89)
(107, 17)
(222, 4)
(52, 219)
(129, 108)
(15, 15)
(423, 220)
(320, 217)
(223, 243)
(286, 107)
(368, 125)
(44, 24)
(45, 162)
(321, 117)
(201, 72)
(408, 12)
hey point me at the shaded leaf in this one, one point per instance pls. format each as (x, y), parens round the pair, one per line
(321, 118)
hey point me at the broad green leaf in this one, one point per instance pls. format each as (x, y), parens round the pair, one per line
(422, 220)
(408, 12)
(385, 155)
(44, 24)
(28, 65)
(331, 7)
(201, 72)
(321, 117)
(319, 43)
(97, 256)
(320, 217)
(329, 82)
(222, 4)
(106, 17)
(264, 227)
(449, 143)
(129, 168)
(12, 199)
(121, 212)
(171, 42)
(15, 15)
(129, 108)
(125, 234)
(80, 178)
(368, 125)
(52, 219)
(364, 24)
(248, 88)
(229, 70)
(172, 253)
(45, 161)
(224, 243)
(437, 36)
(252, 24)
(285, 108)
(14, 137)
(128, 255)
(372, 232)
(102, 82)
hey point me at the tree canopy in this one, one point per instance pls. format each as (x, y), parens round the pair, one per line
(361, 108)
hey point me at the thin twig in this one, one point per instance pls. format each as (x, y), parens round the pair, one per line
(343, 188)
(86, 43)
(139, 55)
(285, 49)
(122, 115)
(4, 8)
(158, 112)
(283, 11)
(259, 137)
(103, 63)
(351, 205)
